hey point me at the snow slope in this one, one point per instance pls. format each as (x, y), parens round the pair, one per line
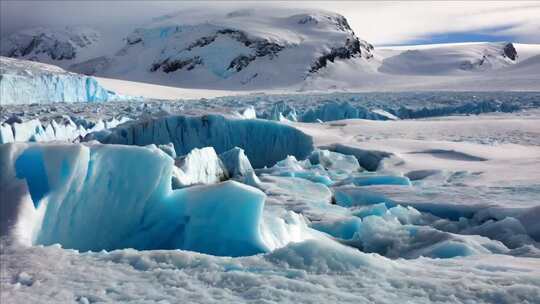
(279, 49)
(50, 45)
(483, 66)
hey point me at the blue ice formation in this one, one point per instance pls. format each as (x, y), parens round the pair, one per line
(71, 194)
(343, 228)
(379, 106)
(370, 180)
(236, 162)
(353, 196)
(200, 166)
(327, 111)
(368, 159)
(264, 142)
(64, 128)
(337, 111)
(30, 82)
(168, 149)
(292, 167)
(335, 161)
(393, 232)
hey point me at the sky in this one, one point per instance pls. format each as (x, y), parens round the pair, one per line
(379, 22)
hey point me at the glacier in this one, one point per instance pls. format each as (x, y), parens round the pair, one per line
(31, 82)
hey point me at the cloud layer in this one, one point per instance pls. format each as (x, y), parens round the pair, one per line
(378, 22)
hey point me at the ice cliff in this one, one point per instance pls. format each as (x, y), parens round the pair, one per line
(264, 142)
(24, 81)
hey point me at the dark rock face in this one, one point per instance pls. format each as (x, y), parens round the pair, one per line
(261, 47)
(352, 48)
(41, 44)
(509, 51)
(340, 22)
(169, 66)
(56, 45)
(241, 62)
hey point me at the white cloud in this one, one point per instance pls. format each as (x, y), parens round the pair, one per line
(378, 22)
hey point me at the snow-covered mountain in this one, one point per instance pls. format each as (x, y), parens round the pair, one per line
(250, 48)
(241, 48)
(447, 58)
(50, 45)
(254, 49)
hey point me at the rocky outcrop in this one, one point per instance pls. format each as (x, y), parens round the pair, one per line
(55, 44)
(509, 51)
(261, 48)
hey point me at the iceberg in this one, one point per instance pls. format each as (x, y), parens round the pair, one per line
(72, 195)
(264, 142)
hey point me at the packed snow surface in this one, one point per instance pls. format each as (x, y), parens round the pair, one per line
(371, 211)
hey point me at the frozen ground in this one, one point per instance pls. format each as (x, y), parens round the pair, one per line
(215, 166)
(449, 213)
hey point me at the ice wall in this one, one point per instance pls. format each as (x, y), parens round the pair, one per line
(94, 197)
(30, 82)
(264, 142)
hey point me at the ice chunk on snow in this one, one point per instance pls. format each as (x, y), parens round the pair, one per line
(6, 133)
(292, 167)
(368, 159)
(248, 113)
(200, 166)
(335, 161)
(236, 162)
(386, 114)
(168, 149)
(392, 233)
(278, 231)
(83, 202)
(369, 180)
